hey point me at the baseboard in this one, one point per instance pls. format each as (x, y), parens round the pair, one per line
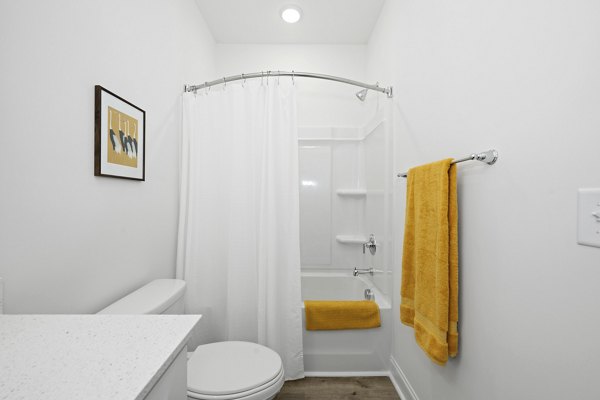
(401, 383)
(339, 374)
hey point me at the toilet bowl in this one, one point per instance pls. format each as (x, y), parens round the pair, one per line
(234, 370)
(229, 370)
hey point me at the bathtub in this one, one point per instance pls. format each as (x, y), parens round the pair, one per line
(355, 352)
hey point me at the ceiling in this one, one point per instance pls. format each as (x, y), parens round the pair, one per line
(259, 21)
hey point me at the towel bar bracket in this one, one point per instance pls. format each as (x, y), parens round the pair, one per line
(489, 157)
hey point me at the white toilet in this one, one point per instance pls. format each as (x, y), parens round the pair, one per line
(216, 371)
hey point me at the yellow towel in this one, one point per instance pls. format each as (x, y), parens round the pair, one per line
(326, 315)
(430, 259)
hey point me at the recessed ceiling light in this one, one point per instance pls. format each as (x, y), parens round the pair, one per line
(291, 14)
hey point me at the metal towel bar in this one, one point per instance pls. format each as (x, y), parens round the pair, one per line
(489, 157)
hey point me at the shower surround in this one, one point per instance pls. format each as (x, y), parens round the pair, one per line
(345, 191)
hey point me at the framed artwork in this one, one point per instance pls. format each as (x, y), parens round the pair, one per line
(120, 137)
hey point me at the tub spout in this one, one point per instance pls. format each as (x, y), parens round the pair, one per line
(358, 271)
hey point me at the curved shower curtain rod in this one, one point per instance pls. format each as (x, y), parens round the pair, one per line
(268, 74)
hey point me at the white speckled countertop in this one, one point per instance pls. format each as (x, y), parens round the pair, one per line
(88, 356)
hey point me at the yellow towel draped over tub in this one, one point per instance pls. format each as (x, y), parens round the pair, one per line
(328, 315)
(430, 259)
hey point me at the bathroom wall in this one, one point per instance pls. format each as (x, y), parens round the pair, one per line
(71, 242)
(521, 77)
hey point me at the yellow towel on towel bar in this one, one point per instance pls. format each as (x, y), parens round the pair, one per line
(429, 291)
(328, 315)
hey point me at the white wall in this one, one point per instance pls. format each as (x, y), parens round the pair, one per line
(521, 77)
(71, 242)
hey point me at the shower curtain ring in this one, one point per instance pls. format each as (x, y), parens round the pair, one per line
(278, 75)
(293, 81)
(268, 74)
(206, 88)
(243, 80)
(262, 76)
(224, 83)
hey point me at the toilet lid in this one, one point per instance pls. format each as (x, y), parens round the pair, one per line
(231, 367)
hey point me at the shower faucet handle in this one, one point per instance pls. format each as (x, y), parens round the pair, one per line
(371, 245)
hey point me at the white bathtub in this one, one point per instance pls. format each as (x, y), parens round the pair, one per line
(353, 352)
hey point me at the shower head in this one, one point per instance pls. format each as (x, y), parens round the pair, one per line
(362, 95)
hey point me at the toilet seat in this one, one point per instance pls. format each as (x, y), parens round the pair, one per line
(234, 370)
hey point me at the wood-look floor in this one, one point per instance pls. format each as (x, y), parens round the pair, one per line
(368, 388)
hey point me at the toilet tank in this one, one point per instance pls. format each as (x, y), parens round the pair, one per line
(161, 296)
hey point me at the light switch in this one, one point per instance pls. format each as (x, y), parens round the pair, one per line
(588, 220)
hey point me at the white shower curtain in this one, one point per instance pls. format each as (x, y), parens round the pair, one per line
(238, 245)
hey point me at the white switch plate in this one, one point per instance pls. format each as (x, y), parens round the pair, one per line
(588, 220)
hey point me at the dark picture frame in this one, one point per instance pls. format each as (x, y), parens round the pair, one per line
(120, 137)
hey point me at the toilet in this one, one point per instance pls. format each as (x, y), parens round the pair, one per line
(229, 370)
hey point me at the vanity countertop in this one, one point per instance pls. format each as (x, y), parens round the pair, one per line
(88, 356)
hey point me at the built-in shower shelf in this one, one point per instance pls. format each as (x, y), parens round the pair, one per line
(352, 192)
(351, 239)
